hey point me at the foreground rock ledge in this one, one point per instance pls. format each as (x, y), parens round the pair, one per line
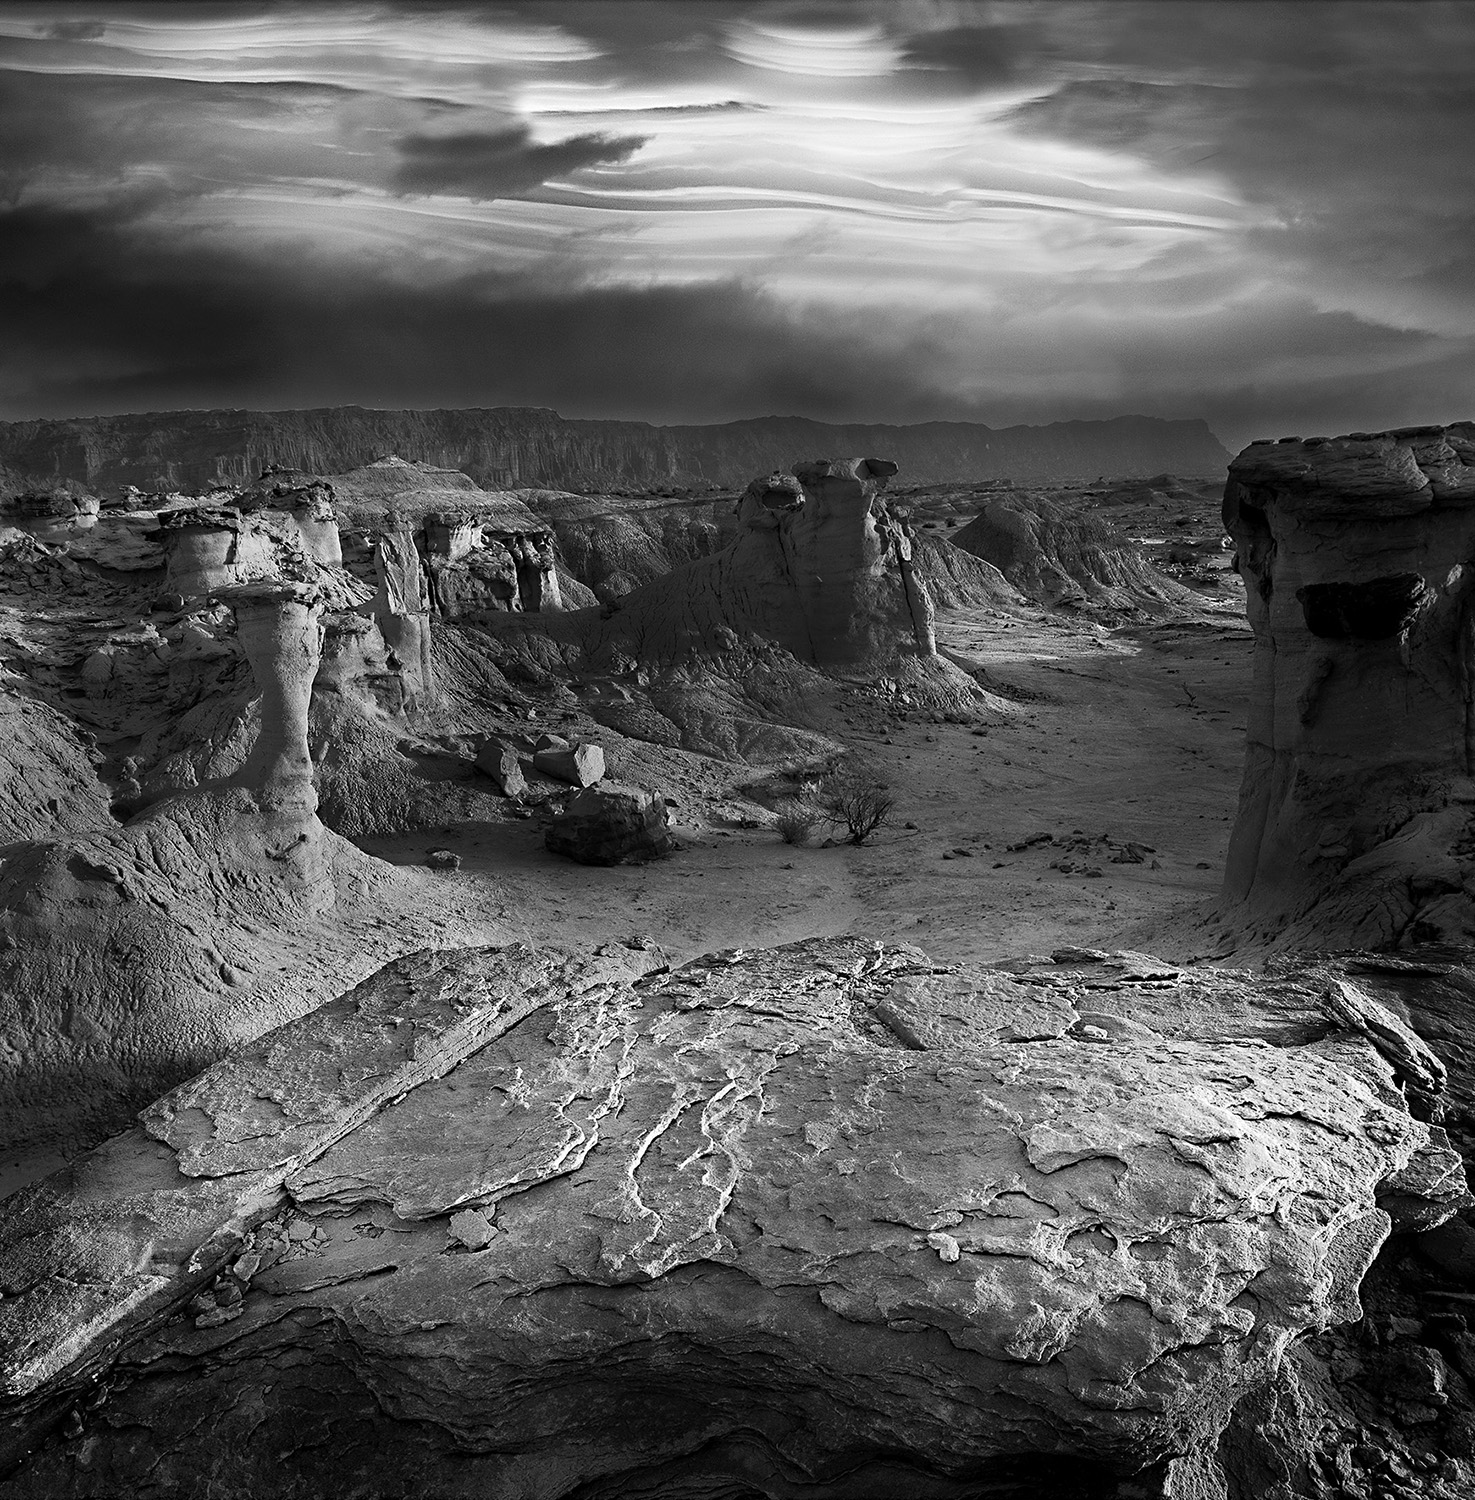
(823, 1220)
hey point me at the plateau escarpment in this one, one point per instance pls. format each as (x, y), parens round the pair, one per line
(509, 447)
(1355, 819)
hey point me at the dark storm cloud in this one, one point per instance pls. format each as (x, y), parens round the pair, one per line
(978, 56)
(123, 321)
(76, 31)
(483, 165)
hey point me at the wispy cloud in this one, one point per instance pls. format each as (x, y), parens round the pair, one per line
(1259, 211)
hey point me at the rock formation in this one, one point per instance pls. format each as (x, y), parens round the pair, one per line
(1354, 823)
(146, 950)
(850, 559)
(510, 447)
(612, 824)
(1056, 555)
(49, 515)
(495, 557)
(282, 526)
(208, 547)
(820, 567)
(300, 505)
(829, 1220)
(280, 629)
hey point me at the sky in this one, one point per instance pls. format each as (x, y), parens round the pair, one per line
(1254, 212)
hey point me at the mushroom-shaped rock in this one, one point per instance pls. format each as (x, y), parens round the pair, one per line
(1354, 822)
(851, 560)
(611, 824)
(209, 547)
(300, 504)
(280, 629)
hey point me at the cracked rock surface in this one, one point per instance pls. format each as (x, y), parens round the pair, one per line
(828, 1219)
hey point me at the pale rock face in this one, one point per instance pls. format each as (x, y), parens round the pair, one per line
(477, 562)
(821, 566)
(280, 630)
(401, 610)
(1358, 791)
(298, 505)
(212, 547)
(826, 1220)
(850, 559)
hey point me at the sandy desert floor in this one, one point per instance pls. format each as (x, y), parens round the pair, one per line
(1135, 735)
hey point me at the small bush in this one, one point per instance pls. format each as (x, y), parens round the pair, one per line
(796, 821)
(862, 807)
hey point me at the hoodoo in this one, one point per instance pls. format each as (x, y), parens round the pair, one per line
(280, 629)
(1355, 811)
(851, 560)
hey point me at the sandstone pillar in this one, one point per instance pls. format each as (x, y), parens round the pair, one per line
(280, 630)
(208, 547)
(857, 592)
(402, 611)
(1356, 553)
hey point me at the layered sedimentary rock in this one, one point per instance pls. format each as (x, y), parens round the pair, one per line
(829, 1220)
(820, 567)
(1354, 823)
(498, 557)
(49, 515)
(208, 547)
(283, 525)
(300, 505)
(130, 955)
(1059, 556)
(509, 447)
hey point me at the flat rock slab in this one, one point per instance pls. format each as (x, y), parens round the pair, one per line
(136, 1225)
(740, 1211)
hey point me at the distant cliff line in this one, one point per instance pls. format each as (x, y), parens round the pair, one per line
(534, 447)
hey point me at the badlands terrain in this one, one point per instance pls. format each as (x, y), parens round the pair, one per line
(430, 1070)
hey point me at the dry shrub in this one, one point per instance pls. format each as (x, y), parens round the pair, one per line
(796, 821)
(862, 806)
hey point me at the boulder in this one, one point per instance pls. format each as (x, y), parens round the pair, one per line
(500, 761)
(579, 765)
(611, 824)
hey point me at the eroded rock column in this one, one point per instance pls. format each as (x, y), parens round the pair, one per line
(280, 630)
(402, 611)
(845, 555)
(1358, 556)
